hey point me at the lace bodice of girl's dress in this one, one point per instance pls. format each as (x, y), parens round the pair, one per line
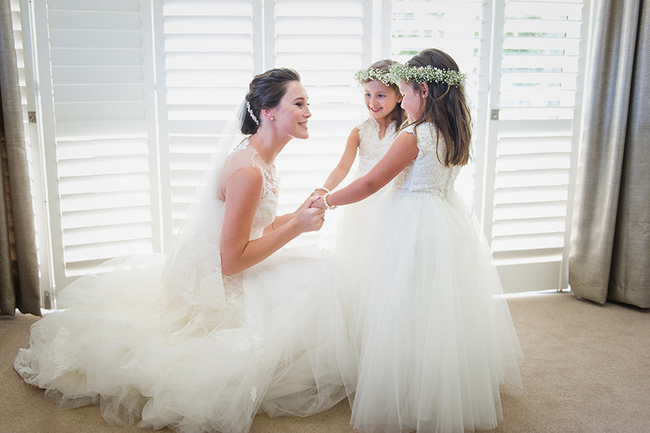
(193, 272)
(426, 174)
(371, 147)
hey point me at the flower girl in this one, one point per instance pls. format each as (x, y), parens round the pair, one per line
(435, 337)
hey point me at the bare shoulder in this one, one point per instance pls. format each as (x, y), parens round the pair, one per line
(245, 180)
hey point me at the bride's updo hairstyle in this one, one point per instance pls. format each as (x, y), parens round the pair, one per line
(265, 91)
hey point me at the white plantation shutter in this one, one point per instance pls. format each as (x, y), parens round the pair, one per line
(326, 42)
(461, 30)
(533, 146)
(99, 154)
(205, 62)
(23, 47)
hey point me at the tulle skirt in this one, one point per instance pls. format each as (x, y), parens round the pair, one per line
(430, 323)
(120, 341)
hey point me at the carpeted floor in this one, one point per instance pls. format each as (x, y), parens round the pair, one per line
(587, 369)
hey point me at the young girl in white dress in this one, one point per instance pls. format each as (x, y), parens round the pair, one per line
(228, 324)
(371, 138)
(436, 336)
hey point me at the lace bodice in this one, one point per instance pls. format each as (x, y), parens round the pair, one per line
(371, 147)
(426, 174)
(193, 270)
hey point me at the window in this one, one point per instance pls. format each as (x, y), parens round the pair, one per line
(132, 96)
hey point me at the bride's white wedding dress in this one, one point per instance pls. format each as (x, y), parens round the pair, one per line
(178, 344)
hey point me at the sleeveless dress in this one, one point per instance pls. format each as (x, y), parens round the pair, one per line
(434, 333)
(371, 147)
(353, 218)
(183, 346)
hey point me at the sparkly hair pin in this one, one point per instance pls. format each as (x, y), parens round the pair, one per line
(248, 108)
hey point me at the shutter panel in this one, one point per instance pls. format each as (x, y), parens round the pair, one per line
(23, 47)
(326, 42)
(528, 156)
(206, 63)
(534, 159)
(103, 159)
(462, 31)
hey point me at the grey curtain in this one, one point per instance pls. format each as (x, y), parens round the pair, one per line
(19, 283)
(610, 238)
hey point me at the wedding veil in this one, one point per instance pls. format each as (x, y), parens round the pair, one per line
(193, 267)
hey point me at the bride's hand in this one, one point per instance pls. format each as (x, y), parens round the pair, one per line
(309, 217)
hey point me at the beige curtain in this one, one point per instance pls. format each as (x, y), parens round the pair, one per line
(19, 284)
(610, 240)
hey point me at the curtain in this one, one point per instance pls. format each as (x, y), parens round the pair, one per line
(19, 282)
(610, 239)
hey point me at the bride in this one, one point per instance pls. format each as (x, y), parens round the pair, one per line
(227, 325)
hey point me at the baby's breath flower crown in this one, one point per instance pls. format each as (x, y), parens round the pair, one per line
(372, 74)
(420, 74)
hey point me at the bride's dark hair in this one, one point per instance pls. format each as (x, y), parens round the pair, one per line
(265, 91)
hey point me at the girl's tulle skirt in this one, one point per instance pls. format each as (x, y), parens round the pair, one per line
(121, 342)
(433, 331)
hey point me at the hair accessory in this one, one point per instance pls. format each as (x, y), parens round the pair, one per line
(327, 205)
(248, 108)
(421, 74)
(371, 74)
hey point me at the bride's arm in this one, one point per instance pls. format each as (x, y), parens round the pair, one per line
(403, 150)
(243, 192)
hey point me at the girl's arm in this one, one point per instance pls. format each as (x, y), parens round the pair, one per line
(243, 193)
(335, 178)
(345, 163)
(403, 150)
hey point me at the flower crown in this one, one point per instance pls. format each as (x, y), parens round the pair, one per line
(371, 74)
(420, 74)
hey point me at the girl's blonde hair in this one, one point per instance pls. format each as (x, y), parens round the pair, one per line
(446, 107)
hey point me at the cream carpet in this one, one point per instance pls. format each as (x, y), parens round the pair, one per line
(587, 369)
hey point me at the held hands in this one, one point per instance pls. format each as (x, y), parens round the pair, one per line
(319, 203)
(310, 218)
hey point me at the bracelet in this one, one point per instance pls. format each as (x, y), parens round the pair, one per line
(327, 205)
(322, 188)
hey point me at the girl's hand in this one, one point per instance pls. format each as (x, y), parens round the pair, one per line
(310, 218)
(319, 203)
